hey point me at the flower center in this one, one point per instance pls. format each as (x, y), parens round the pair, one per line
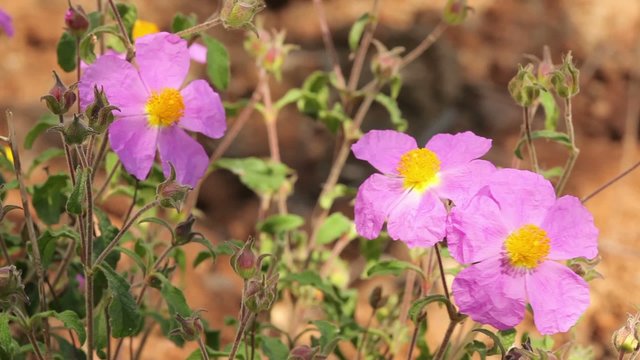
(419, 168)
(165, 108)
(527, 247)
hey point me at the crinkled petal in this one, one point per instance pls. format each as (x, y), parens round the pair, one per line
(490, 295)
(458, 149)
(185, 153)
(198, 53)
(558, 297)
(163, 60)
(418, 219)
(6, 23)
(570, 227)
(374, 201)
(135, 143)
(383, 149)
(121, 83)
(524, 197)
(476, 232)
(459, 184)
(203, 111)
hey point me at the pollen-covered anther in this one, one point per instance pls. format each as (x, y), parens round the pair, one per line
(165, 108)
(419, 168)
(527, 247)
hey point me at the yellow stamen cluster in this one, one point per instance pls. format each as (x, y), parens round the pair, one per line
(165, 108)
(142, 28)
(527, 247)
(419, 168)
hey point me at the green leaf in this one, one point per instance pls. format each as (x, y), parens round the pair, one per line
(218, 65)
(161, 222)
(47, 243)
(49, 198)
(87, 44)
(395, 85)
(278, 224)
(76, 202)
(554, 172)
(45, 156)
(560, 138)
(135, 257)
(340, 190)
(69, 318)
(551, 112)
(174, 298)
(392, 267)
(206, 243)
(125, 318)
(274, 349)
(394, 111)
(418, 306)
(44, 123)
(7, 344)
(328, 333)
(263, 177)
(290, 97)
(67, 52)
(128, 14)
(182, 22)
(316, 94)
(497, 343)
(332, 228)
(311, 278)
(355, 34)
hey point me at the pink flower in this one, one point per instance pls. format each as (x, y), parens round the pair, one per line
(6, 23)
(156, 109)
(409, 193)
(511, 232)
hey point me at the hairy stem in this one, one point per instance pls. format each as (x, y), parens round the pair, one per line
(127, 42)
(574, 152)
(527, 133)
(67, 154)
(200, 27)
(445, 341)
(442, 274)
(414, 337)
(248, 318)
(203, 349)
(104, 186)
(425, 44)
(361, 54)
(328, 42)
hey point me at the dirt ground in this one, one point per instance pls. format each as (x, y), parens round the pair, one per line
(459, 84)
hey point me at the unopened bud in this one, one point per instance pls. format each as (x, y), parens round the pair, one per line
(11, 287)
(304, 352)
(76, 20)
(60, 98)
(269, 50)
(170, 193)
(455, 11)
(585, 268)
(566, 79)
(76, 132)
(385, 65)
(99, 112)
(376, 300)
(190, 327)
(523, 87)
(244, 261)
(239, 14)
(260, 293)
(625, 339)
(183, 231)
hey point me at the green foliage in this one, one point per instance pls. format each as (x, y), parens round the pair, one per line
(332, 228)
(76, 202)
(551, 111)
(69, 319)
(128, 14)
(124, 315)
(395, 113)
(357, 29)
(261, 176)
(48, 243)
(218, 64)
(273, 348)
(392, 267)
(87, 44)
(45, 122)
(182, 22)
(49, 199)
(278, 224)
(67, 52)
(558, 137)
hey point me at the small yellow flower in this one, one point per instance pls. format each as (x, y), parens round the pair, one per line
(142, 28)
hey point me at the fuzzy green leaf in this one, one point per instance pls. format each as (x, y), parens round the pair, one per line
(355, 34)
(274, 349)
(332, 228)
(560, 138)
(218, 65)
(417, 306)
(551, 112)
(278, 224)
(182, 22)
(44, 123)
(174, 298)
(394, 111)
(392, 267)
(76, 202)
(125, 318)
(67, 52)
(263, 177)
(49, 198)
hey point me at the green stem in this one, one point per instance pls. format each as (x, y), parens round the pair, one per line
(527, 133)
(573, 155)
(248, 318)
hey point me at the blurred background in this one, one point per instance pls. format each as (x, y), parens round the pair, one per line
(459, 84)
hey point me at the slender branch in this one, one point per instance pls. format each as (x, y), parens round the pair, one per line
(203, 349)
(328, 42)
(574, 151)
(67, 154)
(5, 250)
(243, 325)
(610, 182)
(366, 332)
(34, 344)
(127, 42)
(133, 201)
(66, 260)
(78, 70)
(445, 341)
(102, 150)
(442, 275)
(414, 337)
(200, 27)
(104, 186)
(425, 44)
(361, 54)
(527, 133)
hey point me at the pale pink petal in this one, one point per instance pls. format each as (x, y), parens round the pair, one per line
(374, 201)
(198, 53)
(461, 183)
(458, 149)
(203, 111)
(476, 232)
(163, 59)
(558, 297)
(490, 294)
(418, 219)
(121, 83)
(383, 149)
(185, 153)
(570, 227)
(524, 197)
(135, 143)
(6, 23)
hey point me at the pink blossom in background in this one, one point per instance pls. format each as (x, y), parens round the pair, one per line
(6, 23)
(512, 232)
(155, 108)
(198, 53)
(408, 194)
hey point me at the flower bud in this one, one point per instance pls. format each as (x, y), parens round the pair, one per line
(60, 98)
(190, 327)
(269, 50)
(76, 132)
(304, 352)
(183, 232)
(76, 20)
(625, 339)
(376, 300)
(585, 268)
(239, 14)
(244, 260)
(385, 65)
(566, 80)
(260, 294)
(11, 287)
(523, 87)
(170, 193)
(455, 11)
(99, 112)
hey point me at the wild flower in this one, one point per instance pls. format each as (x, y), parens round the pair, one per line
(414, 182)
(155, 109)
(512, 232)
(198, 52)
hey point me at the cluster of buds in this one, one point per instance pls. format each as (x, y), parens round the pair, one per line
(269, 50)
(11, 287)
(170, 193)
(184, 233)
(304, 352)
(190, 327)
(60, 98)
(625, 339)
(260, 293)
(456, 11)
(385, 64)
(76, 20)
(524, 87)
(566, 79)
(100, 112)
(585, 268)
(75, 132)
(239, 14)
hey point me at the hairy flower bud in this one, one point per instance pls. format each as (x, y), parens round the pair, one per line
(260, 293)
(99, 112)
(376, 300)
(170, 193)
(244, 261)
(385, 65)
(625, 339)
(76, 132)
(269, 50)
(76, 20)
(11, 287)
(566, 79)
(455, 11)
(60, 98)
(239, 14)
(183, 231)
(304, 352)
(190, 327)
(523, 87)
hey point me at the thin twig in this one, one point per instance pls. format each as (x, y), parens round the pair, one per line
(243, 324)
(203, 349)
(67, 154)
(361, 54)
(104, 186)
(127, 42)
(574, 151)
(66, 259)
(366, 332)
(442, 275)
(610, 182)
(414, 337)
(328, 42)
(133, 202)
(102, 150)
(425, 44)
(108, 324)
(445, 341)
(526, 119)
(200, 27)
(5, 251)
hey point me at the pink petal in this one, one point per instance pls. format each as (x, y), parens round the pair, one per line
(558, 297)
(198, 53)
(121, 83)
(383, 149)
(375, 199)
(458, 149)
(524, 197)
(203, 112)
(570, 227)
(185, 153)
(476, 232)
(135, 143)
(6, 23)
(163, 60)
(490, 294)
(460, 183)
(418, 219)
